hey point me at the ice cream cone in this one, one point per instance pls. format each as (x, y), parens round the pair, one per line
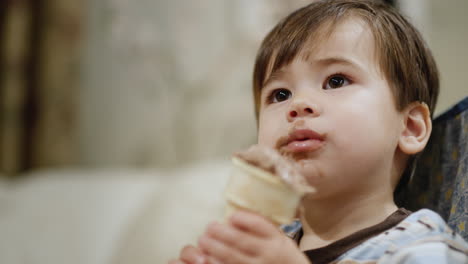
(254, 189)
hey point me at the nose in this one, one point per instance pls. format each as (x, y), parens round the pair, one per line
(302, 109)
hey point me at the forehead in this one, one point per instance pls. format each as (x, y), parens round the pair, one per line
(350, 38)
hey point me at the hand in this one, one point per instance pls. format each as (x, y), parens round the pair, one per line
(248, 238)
(190, 255)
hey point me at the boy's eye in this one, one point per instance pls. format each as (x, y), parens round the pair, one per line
(279, 95)
(336, 81)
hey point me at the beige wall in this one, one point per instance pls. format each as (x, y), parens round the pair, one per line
(168, 82)
(444, 25)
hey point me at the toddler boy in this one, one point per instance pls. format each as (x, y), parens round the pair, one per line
(346, 89)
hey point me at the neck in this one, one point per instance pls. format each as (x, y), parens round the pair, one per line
(325, 221)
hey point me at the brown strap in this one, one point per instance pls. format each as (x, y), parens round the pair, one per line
(334, 250)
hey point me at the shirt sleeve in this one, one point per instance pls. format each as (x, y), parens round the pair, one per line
(441, 252)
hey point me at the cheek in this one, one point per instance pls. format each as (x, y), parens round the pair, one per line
(263, 136)
(355, 124)
(268, 131)
(367, 134)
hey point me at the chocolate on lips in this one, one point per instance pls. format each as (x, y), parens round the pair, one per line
(302, 141)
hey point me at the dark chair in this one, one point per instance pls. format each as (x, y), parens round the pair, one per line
(440, 179)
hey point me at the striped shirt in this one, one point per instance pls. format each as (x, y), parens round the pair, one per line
(403, 238)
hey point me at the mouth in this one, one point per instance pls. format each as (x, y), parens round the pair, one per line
(301, 141)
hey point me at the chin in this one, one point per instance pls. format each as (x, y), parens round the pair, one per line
(311, 171)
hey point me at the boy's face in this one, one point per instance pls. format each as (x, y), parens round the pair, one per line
(335, 115)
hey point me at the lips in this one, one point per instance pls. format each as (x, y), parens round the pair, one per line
(303, 140)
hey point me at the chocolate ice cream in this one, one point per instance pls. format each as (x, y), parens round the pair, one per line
(265, 182)
(272, 161)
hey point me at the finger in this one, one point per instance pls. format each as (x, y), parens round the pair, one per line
(253, 223)
(175, 261)
(192, 255)
(212, 260)
(234, 237)
(220, 252)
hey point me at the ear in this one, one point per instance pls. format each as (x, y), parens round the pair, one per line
(417, 128)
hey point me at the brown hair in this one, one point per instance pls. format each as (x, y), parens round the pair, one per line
(404, 58)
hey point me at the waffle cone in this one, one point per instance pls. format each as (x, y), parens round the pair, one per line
(251, 188)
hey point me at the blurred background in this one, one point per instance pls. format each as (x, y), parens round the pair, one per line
(118, 117)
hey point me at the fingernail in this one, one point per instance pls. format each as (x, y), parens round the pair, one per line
(214, 261)
(200, 260)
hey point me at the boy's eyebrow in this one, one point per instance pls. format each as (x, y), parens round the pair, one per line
(322, 62)
(338, 60)
(274, 76)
